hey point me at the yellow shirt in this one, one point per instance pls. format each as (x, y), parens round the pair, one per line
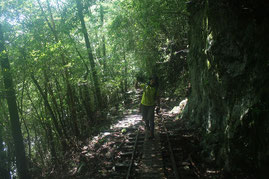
(150, 94)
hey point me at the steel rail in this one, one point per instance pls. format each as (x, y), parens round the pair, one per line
(172, 156)
(133, 156)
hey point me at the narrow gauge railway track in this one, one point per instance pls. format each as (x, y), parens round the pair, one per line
(176, 163)
(134, 154)
(176, 151)
(172, 142)
(172, 155)
(129, 153)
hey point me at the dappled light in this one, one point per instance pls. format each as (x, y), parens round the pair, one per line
(128, 121)
(134, 89)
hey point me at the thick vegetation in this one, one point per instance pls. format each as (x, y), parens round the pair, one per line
(67, 66)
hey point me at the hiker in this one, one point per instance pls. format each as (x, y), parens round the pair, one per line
(149, 100)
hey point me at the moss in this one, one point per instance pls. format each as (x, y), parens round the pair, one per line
(229, 74)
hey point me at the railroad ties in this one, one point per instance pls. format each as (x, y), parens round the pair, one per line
(140, 157)
(165, 156)
(151, 165)
(137, 156)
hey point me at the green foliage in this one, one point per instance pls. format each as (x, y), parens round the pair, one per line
(54, 84)
(156, 31)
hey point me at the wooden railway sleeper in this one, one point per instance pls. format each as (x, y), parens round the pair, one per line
(172, 157)
(133, 156)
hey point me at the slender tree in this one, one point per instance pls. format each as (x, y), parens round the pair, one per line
(4, 173)
(90, 55)
(70, 90)
(103, 40)
(21, 163)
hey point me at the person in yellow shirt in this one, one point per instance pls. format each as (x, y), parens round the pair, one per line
(150, 100)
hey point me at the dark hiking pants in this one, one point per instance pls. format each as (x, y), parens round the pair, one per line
(148, 117)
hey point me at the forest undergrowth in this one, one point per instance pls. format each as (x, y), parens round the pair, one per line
(94, 156)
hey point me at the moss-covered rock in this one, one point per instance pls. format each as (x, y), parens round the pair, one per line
(229, 74)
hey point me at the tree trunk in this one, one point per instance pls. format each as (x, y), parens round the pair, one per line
(103, 41)
(21, 163)
(40, 147)
(51, 145)
(4, 164)
(70, 93)
(88, 45)
(125, 72)
(47, 105)
(20, 109)
(85, 94)
(85, 77)
(4, 172)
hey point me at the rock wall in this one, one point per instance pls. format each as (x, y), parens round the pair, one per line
(229, 74)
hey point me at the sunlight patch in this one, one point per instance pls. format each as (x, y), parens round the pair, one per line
(128, 121)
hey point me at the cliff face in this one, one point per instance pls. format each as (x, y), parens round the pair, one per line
(229, 71)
